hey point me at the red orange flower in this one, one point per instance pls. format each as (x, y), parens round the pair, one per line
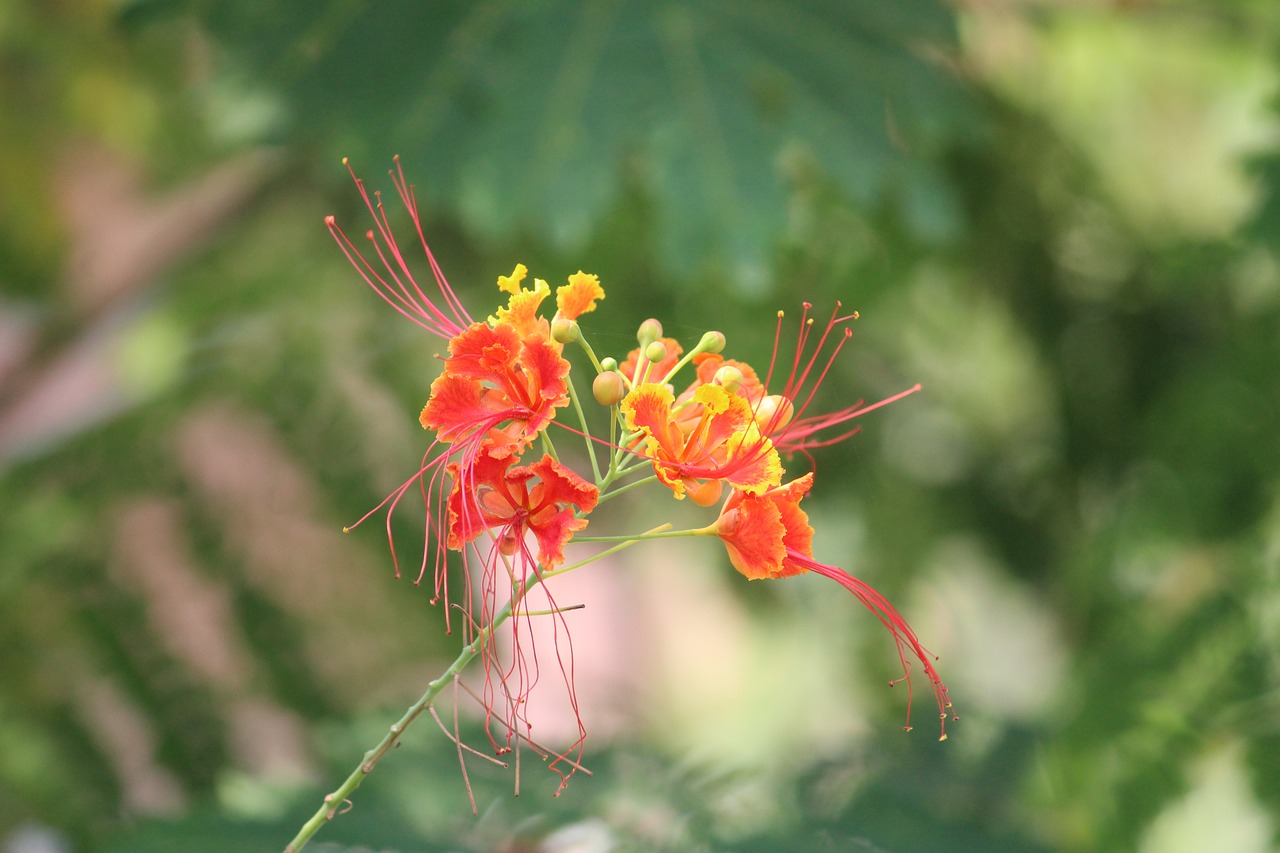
(542, 499)
(761, 531)
(769, 536)
(722, 445)
(497, 387)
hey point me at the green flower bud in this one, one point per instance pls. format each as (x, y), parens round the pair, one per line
(650, 330)
(565, 331)
(655, 351)
(608, 363)
(711, 342)
(729, 377)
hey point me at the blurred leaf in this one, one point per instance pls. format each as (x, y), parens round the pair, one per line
(521, 117)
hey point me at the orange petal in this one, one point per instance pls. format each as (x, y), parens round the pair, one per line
(752, 532)
(578, 296)
(456, 406)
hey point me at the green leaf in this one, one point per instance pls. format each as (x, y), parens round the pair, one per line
(524, 117)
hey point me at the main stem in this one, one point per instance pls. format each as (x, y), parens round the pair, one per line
(334, 801)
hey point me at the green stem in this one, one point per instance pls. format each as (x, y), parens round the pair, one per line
(333, 801)
(586, 430)
(591, 354)
(657, 533)
(622, 489)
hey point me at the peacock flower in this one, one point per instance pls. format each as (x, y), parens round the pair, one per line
(504, 382)
(722, 446)
(544, 499)
(498, 387)
(768, 535)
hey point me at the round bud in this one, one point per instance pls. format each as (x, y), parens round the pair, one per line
(774, 412)
(609, 388)
(608, 363)
(650, 330)
(729, 377)
(565, 331)
(712, 342)
(655, 351)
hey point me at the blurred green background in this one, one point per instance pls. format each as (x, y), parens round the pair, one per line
(1060, 217)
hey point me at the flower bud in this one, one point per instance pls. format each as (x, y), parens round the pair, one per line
(650, 330)
(565, 331)
(655, 351)
(773, 412)
(711, 342)
(609, 388)
(729, 378)
(608, 363)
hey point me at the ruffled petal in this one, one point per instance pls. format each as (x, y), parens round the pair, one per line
(753, 534)
(457, 404)
(511, 283)
(522, 310)
(578, 296)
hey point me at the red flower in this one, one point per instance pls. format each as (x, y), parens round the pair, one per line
(769, 536)
(540, 499)
(498, 387)
(543, 500)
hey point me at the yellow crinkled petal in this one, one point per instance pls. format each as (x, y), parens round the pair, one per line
(522, 308)
(713, 397)
(511, 283)
(758, 467)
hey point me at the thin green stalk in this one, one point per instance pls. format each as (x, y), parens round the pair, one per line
(642, 537)
(586, 430)
(333, 801)
(591, 354)
(623, 489)
(631, 540)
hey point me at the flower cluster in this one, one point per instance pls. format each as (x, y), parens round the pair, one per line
(502, 503)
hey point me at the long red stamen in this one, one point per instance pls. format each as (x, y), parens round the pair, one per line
(908, 645)
(396, 283)
(793, 430)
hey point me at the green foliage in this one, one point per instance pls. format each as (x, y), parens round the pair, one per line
(533, 116)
